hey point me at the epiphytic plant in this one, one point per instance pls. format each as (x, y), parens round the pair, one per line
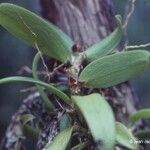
(86, 119)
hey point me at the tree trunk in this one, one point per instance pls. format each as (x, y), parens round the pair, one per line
(88, 22)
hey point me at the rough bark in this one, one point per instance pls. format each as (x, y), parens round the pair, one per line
(87, 22)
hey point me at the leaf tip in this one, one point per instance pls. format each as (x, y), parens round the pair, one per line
(118, 20)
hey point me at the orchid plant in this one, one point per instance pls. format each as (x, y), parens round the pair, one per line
(98, 66)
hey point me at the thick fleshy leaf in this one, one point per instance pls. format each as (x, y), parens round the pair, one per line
(61, 140)
(108, 44)
(48, 104)
(99, 118)
(141, 114)
(35, 30)
(26, 118)
(114, 69)
(49, 87)
(125, 138)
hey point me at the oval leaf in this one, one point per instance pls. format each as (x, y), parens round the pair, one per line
(99, 117)
(49, 87)
(125, 138)
(114, 69)
(108, 44)
(141, 114)
(61, 140)
(33, 29)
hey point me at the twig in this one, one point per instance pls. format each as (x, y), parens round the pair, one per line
(129, 11)
(43, 61)
(34, 35)
(60, 104)
(24, 69)
(137, 46)
(30, 89)
(56, 69)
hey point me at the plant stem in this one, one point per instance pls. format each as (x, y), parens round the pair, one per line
(49, 105)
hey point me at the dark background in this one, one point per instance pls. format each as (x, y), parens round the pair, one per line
(14, 54)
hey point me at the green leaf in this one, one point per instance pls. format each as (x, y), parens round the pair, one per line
(35, 30)
(143, 134)
(114, 69)
(30, 132)
(141, 114)
(108, 44)
(26, 118)
(48, 104)
(125, 138)
(49, 87)
(61, 140)
(99, 118)
(65, 122)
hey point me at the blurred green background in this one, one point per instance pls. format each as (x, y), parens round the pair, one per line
(14, 54)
